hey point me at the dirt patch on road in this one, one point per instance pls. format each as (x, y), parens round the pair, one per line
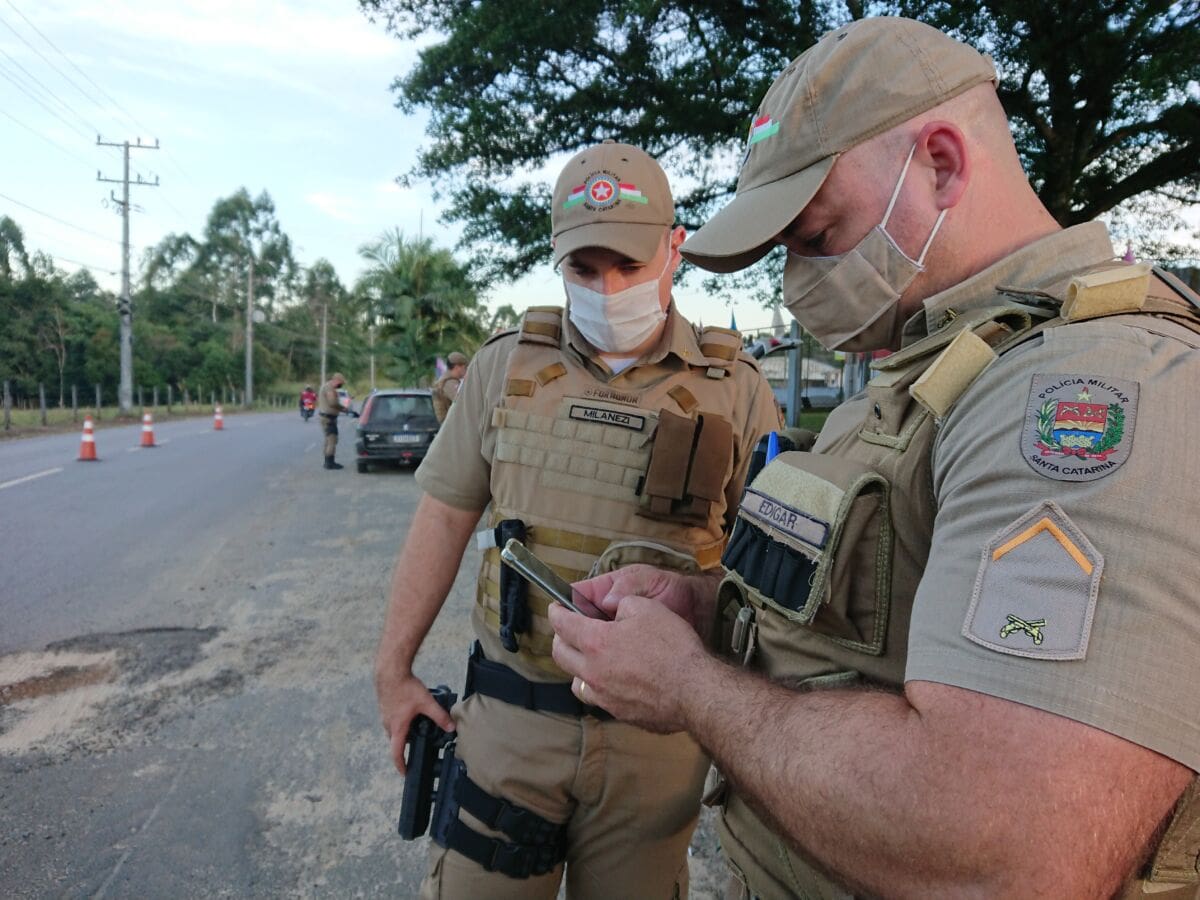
(124, 679)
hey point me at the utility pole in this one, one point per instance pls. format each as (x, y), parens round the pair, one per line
(324, 335)
(248, 394)
(371, 336)
(125, 303)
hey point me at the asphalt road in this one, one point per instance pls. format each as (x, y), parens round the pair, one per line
(186, 636)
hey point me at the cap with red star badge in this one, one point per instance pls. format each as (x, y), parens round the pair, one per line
(613, 196)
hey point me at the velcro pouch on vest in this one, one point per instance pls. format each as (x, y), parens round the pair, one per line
(940, 385)
(1106, 293)
(813, 544)
(720, 347)
(688, 464)
(541, 325)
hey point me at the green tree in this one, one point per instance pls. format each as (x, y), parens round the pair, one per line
(425, 301)
(241, 233)
(1101, 94)
(12, 248)
(328, 310)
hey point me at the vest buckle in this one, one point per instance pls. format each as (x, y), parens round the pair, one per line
(745, 635)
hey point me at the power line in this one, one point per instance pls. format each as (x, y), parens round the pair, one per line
(76, 262)
(67, 78)
(32, 209)
(129, 117)
(24, 90)
(48, 140)
(55, 96)
(49, 237)
(103, 92)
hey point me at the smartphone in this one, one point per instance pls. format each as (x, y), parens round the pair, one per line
(533, 570)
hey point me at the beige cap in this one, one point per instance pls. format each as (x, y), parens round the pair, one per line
(854, 83)
(456, 359)
(613, 196)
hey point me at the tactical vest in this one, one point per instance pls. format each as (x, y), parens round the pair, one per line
(605, 476)
(828, 549)
(441, 403)
(325, 406)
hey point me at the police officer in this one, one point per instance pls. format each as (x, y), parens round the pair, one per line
(329, 406)
(609, 433)
(445, 389)
(964, 630)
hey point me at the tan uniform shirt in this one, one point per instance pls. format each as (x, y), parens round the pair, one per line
(328, 403)
(457, 469)
(445, 392)
(1065, 558)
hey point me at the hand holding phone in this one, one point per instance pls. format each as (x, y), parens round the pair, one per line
(517, 555)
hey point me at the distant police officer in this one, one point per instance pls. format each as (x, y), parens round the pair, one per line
(445, 389)
(329, 406)
(970, 616)
(611, 433)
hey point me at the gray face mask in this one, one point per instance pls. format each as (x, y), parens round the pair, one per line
(852, 301)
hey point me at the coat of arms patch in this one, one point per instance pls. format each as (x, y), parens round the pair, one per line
(1078, 427)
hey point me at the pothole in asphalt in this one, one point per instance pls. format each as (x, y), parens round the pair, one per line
(57, 682)
(118, 682)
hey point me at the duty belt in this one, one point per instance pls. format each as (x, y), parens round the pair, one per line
(493, 679)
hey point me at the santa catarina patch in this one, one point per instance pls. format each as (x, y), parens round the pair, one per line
(1078, 427)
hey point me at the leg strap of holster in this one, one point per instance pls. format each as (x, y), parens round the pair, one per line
(538, 844)
(493, 679)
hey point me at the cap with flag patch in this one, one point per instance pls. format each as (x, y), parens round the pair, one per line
(613, 196)
(854, 83)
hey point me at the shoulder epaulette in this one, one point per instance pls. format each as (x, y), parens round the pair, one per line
(542, 325)
(1106, 291)
(499, 334)
(720, 346)
(949, 360)
(1109, 288)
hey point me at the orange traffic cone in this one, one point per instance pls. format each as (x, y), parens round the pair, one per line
(148, 430)
(218, 421)
(87, 448)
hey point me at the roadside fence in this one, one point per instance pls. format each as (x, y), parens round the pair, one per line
(25, 409)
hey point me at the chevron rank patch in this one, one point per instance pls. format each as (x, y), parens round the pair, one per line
(1078, 427)
(1035, 593)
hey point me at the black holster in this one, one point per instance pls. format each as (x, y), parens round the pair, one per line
(430, 751)
(514, 590)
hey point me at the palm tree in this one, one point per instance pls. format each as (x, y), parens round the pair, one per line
(424, 301)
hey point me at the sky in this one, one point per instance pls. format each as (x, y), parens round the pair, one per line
(288, 97)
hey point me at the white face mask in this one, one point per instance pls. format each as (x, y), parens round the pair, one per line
(617, 323)
(852, 301)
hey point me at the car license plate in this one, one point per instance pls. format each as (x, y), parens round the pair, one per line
(406, 438)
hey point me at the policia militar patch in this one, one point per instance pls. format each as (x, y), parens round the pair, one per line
(1078, 427)
(1036, 590)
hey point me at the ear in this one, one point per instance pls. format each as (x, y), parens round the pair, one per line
(675, 240)
(943, 148)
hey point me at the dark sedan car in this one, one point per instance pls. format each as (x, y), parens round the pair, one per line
(396, 426)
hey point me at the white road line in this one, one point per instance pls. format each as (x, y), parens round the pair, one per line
(17, 481)
(312, 446)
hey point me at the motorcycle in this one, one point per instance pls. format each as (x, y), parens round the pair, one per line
(306, 409)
